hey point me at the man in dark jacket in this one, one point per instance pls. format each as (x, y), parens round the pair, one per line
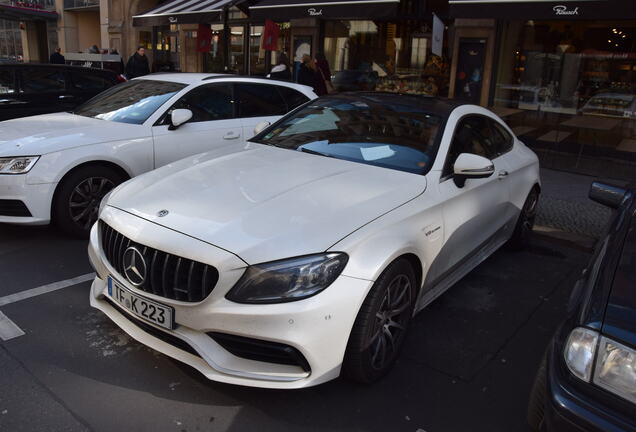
(137, 64)
(57, 57)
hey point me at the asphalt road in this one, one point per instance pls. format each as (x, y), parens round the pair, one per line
(468, 363)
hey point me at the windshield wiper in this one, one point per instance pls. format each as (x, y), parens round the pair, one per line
(314, 152)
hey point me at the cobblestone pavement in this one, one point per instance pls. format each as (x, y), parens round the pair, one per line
(564, 204)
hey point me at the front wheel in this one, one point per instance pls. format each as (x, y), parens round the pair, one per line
(380, 327)
(77, 200)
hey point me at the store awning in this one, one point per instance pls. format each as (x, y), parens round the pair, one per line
(184, 12)
(20, 13)
(284, 10)
(543, 9)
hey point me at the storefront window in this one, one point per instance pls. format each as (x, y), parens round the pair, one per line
(568, 89)
(214, 60)
(10, 40)
(384, 56)
(257, 54)
(166, 52)
(237, 47)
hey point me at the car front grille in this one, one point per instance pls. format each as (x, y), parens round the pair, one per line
(166, 275)
(14, 208)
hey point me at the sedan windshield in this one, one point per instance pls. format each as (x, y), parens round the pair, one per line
(130, 102)
(367, 130)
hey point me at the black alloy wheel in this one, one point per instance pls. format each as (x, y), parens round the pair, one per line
(76, 202)
(521, 235)
(381, 325)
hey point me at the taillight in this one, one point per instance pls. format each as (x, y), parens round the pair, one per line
(121, 78)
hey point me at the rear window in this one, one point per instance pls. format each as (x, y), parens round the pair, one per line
(42, 80)
(90, 82)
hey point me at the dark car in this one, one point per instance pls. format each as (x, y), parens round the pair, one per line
(354, 80)
(32, 89)
(587, 379)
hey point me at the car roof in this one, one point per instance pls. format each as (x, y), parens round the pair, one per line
(432, 104)
(53, 66)
(199, 78)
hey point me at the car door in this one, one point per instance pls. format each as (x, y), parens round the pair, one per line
(43, 90)
(258, 102)
(10, 104)
(213, 124)
(474, 215)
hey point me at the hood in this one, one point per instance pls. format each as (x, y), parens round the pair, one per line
(42, 134)
(620, 315)
(265, 203)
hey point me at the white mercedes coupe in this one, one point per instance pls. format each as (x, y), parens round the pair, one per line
(59, 166)
(304, 253)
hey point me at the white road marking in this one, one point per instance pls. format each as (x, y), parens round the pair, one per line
(9, 329)
(12, 298)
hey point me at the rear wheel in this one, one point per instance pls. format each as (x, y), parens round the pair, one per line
(521, 235)
(77, 200)
(380, 327)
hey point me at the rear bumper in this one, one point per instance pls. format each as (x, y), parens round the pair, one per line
(36, 197)
(577, 406)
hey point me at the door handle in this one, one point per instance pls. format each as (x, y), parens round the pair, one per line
(231, 136)
(65, 97)
(502, 174)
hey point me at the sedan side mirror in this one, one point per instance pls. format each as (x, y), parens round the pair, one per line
(470, 165)
(179, 117)
(261, 127)
(606, 194)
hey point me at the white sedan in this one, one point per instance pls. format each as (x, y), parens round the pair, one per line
(59, 166)
(306, 252)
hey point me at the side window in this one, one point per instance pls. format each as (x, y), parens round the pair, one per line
(259, 100)
(472, 135)
(7, 82)
(207, 103)
(88, 82)
(502, 138)
(292, 98)
(42, 80)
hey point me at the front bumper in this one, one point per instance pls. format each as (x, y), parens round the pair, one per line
(574, 406)
(317, 327)
(36, 197)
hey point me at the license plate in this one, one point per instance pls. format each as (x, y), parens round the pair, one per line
(148, 310)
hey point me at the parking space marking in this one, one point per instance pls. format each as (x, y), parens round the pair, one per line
(9, 329)
(12, 298)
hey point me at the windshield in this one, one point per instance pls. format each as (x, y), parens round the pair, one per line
(365, 130)
(130, 102)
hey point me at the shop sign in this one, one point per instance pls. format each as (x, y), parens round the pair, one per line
(563, 10)
(173, 19)
(314, 12)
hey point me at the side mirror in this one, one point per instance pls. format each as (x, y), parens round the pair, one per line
(179, 117)
(473, 166)
(261, 127)
(606, 194)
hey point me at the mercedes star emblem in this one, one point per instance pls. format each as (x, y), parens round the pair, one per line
(134, 266)
(162, 213)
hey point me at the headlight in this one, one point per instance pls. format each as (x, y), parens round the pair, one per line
(616, 369)
(288, 280)
(17, 165)
(579, 352)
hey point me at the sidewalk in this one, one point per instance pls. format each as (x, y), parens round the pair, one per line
(564, 207)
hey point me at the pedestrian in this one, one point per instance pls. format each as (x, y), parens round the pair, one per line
(308, 75)
(281, 70)
(322, 66)
(57, 57)
(137, 64)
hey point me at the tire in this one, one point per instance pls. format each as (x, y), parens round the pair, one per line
(370, 354)
(536, 404)
(523, 229)
(77, 199)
